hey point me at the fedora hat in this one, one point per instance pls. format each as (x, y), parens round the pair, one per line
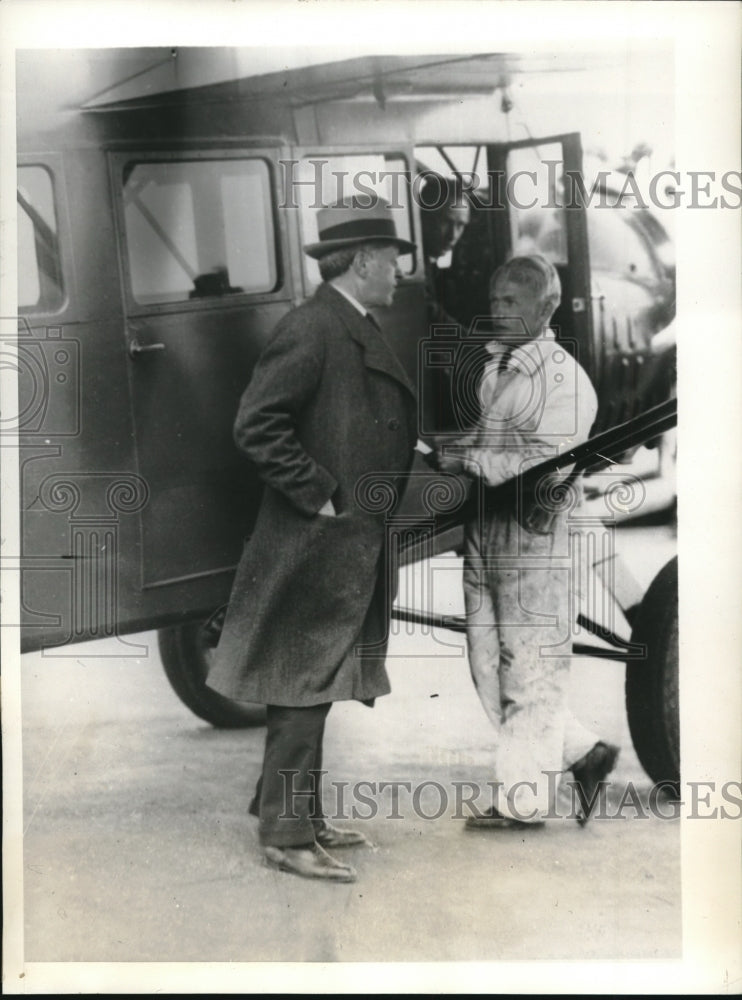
(355, 221)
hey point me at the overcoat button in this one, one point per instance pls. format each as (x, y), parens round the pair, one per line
(393, 424)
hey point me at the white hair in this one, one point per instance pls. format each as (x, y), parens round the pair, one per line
(337, 262)
(536, 273)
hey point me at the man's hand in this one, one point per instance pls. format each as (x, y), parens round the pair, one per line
(450, 461)
(327, 509)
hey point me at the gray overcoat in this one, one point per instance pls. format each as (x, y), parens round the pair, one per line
(328, 403)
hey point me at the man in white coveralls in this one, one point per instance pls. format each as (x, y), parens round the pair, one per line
(536, 402)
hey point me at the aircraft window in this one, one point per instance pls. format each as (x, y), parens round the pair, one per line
(199, 228)
(40, 286)
(616, 246)
(324, 180)
(537, 222)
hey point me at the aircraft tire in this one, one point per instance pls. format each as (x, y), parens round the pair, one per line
(652, 699)
(185, 651)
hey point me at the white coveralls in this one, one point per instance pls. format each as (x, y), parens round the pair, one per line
(517, 583)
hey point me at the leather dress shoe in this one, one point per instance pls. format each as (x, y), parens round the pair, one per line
(589, 772)
(310, 861)
(491, 819)
(329, 836)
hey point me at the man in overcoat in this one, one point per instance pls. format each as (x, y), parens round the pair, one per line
(327, 405)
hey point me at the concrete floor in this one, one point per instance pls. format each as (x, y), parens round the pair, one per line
(137, 846)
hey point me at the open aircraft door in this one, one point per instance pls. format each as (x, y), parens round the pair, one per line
(544, 214)
(530, 203)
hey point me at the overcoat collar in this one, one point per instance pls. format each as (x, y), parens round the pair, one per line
(377, 353)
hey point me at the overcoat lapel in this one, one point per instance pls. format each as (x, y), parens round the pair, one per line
(377, 353)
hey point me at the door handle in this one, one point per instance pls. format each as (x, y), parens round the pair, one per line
(135, 348)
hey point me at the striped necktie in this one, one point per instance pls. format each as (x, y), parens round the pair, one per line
(502, 364)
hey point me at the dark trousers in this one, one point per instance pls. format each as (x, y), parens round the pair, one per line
(288, 796)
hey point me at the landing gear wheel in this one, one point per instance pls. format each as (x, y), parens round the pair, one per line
(185, 651)
(652, 701)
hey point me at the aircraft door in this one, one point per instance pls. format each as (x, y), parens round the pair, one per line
(527, 201)
(538, 181)
(204, 264)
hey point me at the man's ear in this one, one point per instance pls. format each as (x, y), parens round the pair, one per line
(360, 262)
(547, 311)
